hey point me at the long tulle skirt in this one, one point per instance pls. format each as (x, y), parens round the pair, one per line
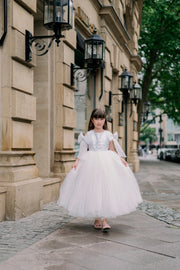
(101, 186)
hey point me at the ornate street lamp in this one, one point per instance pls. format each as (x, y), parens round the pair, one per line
(125, 81)
(125, 85)
(58, 16)
(94, 59)
(136, 93)
(94, 50)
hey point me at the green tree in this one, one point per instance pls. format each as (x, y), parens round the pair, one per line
(148, 133)
(160, 52)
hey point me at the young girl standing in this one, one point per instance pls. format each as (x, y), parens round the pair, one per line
(101, 185)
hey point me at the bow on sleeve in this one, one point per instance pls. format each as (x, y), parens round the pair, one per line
(117, 146)
(83, 145)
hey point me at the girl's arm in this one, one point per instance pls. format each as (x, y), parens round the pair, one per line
(74, 166)
(111, 147)
(82, 149)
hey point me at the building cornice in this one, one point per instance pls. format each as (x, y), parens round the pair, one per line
(135, 59)
(114, 22)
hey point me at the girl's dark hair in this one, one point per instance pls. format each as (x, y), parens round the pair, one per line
(97, 113)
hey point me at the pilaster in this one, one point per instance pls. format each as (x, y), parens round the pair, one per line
(18, 170)
(65, 115)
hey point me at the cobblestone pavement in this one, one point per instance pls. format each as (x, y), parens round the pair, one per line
(17, 235)
(159, 184)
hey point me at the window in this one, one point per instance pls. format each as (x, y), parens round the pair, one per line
(121, 119)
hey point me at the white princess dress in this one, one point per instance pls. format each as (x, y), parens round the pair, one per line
(101, 186)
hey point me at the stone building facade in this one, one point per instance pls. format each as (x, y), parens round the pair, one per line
(41, 113)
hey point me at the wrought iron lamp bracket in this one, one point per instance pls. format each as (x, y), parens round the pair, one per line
(75, 69)
(40, 45)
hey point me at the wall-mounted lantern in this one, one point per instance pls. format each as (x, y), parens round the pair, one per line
(136, 93)
(94, 50)
(94, 59)
(3, 8)
(58, 16)
(125, 81)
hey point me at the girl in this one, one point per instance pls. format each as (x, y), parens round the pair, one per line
(101, 184)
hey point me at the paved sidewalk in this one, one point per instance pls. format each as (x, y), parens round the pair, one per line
(17, 235)
(136, 242)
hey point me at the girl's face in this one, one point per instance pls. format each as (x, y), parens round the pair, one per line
(98, 123)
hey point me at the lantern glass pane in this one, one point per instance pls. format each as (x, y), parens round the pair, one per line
(100, 51)
(71, 13)
(124, 82)
(58, 12)
(130, 82)
(95, 49)
(88, 50)
(48, 11)
(65, 11)
(132, 94)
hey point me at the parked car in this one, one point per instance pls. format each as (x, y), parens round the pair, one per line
(167, 152)
(177, 155)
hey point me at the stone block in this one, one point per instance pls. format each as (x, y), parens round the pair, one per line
(62, 167)
(63, 73)
(3, 192)
(135, 135)
(23, 106)
(5, 72)
(107, 85)
(22, 77)
(51, 188)
(68, 55)
(69, 118)
(59, 115)
(68, 139)
(16, 174)
(18, 47)
(59, 73)
(6, 102)
(30, 5)
(59, 94)
(58, 138)
(16, 158)
(22, 19)
(70, 38)
(121, 131)
(24, 198)
(64, 155)
(68, 100)
(22, 135)
(6, 133)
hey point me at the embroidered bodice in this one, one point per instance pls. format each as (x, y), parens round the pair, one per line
(94, 141)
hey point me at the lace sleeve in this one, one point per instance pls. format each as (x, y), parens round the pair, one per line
(117, 146)
(83, 145)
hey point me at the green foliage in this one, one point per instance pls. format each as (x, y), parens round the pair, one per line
(148, 133)
(159, 48)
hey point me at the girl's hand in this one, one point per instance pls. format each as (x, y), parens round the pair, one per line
(124, 162)
(74, 166)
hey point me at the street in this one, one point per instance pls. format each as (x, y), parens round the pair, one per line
(160, 181)
(147, 239)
